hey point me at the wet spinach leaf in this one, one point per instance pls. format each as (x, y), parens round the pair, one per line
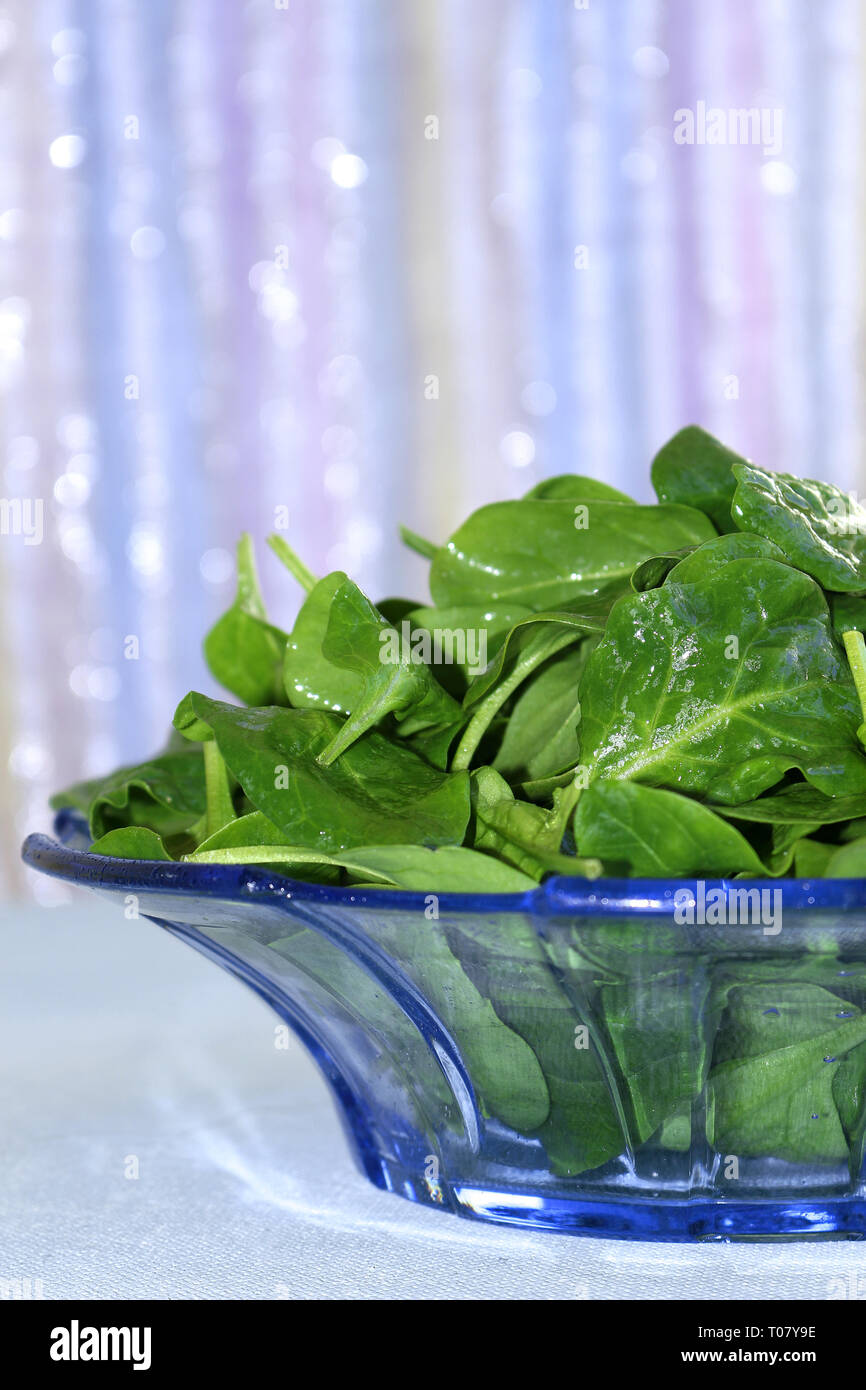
(820, 529)
(722, 687)
(547, 554)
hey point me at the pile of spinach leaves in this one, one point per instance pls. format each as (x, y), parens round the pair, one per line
(675, 690)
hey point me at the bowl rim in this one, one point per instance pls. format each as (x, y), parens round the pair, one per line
(557, 896)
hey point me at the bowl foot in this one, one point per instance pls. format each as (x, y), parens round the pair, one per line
(693, 1220)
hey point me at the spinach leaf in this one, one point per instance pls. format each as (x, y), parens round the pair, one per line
(254, 839)
(393, 680)
(771, 1090)
(722, 687)
(342, 655)
(656, 833)
(848, 861)
(449, 869)
(797, 803)
(811, 857)
(713, 555)
(693, 468)
(167, 793)
(795, 813)
(575, 487)
(503, 1066)
(311, 680)
(243, 650)
(845, 980)
(546, 554)
(585, 1126)
(521, 833)
(377, 793)
(541, 735)
(131, 842)
(663, 1058)
(529, 644)
(848, 612)
(819, 528)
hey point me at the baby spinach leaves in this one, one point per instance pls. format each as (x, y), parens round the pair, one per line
(687, 691)
(378, 792)
(574, 486)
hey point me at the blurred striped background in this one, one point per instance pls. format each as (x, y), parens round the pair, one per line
(373, 261)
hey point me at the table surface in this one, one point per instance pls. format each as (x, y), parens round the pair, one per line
(124, 1052)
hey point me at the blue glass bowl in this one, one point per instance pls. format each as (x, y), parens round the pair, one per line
(440, 1093)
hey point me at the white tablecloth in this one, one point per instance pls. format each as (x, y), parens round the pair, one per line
(122, 1049)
